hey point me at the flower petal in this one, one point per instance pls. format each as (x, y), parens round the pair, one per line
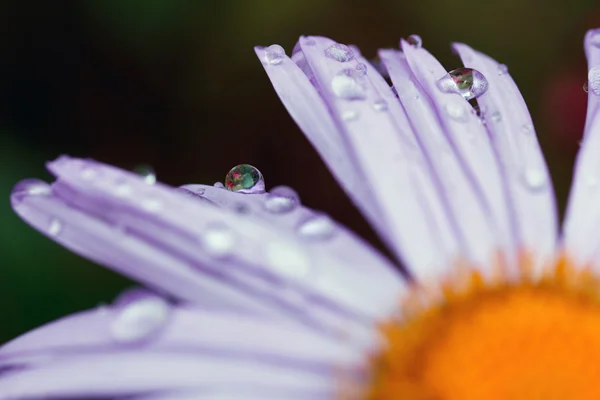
(583, 214)
(198, 252)
(525, 173)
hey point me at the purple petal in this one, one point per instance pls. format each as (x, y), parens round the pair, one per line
(377, 142)
(583, 214)
(79, 356)
(525, 172)
(202, 253)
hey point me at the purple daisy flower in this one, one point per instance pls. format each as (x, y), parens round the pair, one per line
(254, 296)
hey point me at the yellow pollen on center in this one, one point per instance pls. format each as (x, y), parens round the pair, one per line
(531, 339)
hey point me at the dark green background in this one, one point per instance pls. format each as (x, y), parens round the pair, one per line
(176, 84)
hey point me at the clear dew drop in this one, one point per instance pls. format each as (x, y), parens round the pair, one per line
(585, 86)
(594, 80)
(89, 173)
(456, 111)
(317, 227)
(527, 128)
(535, 179)
(280, 203)
(349, 115)
(415, 41)
(496, 116)
(30, 187)
(219, 240)
(219, 185)
(347, 87)
(467, 82)
(245, 178)
(339, 52)
(274, 54)
(502, 69)
(380, 105)
(147, 173)
(361, 69)
(140, 319)
(288, 259)
(55, 227)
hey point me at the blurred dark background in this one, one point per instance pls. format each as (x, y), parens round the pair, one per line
(175, 84)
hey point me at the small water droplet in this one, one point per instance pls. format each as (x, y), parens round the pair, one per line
(30, 187)
(456, 111)
(245, 178)
(594, 80)
(415, 41)
(317, 227)
(467, 82)
(347, 87)
(279, 204)
(535, 179)
(140, 319)
(380, 105)
(585, 86)
(89, 173)
(274, 54)
(55, 227)
(219, 185)
(595, 38)
(527, 128)
(591, 181)
(361, 69)
(122, 189)
(147, 173)
(288, 259)
(349, 115)
(502, 69)
(309, 41)
(496, 116)
(339, 52)
(219, 240)
(285, 191)
(151, 205)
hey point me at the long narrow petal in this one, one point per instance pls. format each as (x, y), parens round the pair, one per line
(198, 252)
(582, 220)
(525, 173)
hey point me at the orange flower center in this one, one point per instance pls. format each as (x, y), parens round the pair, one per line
(525, 339)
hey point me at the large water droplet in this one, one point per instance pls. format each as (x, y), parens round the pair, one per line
(274, 54)
(467, 82)
(415, 41)
(140, 319)
(456, 111)
(55, 227)
(219, 240)
(281, 199)
(594, 80)
(347, 87)
(146, 172)
(317, 227)
(535, 179)
(339, 52)
(245, 178)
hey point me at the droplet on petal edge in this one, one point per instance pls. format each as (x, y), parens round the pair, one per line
(415, 41)
(594, 80)
(339, 52)
(55, 227)
(245, 178)
(467, 82)
(30, 187)
(140, 319)
(147, 173)
(317, 227)
(274, 54)
(502, 69)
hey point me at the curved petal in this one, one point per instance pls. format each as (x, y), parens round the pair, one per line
(202, 253)
(365, 118)
(582, 218)
(525, 173)
(196, 349)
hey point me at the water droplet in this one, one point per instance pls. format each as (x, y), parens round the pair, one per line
(219, 185)
(140, 319)
(309, 41)
(380, 105)
(317, 227)
(288, 259)
(89, 173)
(245, 178)
(30, 187)
(55, 227)
(591, 181)
(456, 111)
(147, 173)
(361, 69)
(349, 115)
(219, 240)
(285, 191)
(347, 87)
(279, 204)
(502, 69)
(496, 116)
(595, 38)
(415, 41)
(585, 86)
(274, 54)
(527, 128)
(122, 188)
(535, 179)
(467, 82)
(339, 52)
(151, 205)
(594, 80)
